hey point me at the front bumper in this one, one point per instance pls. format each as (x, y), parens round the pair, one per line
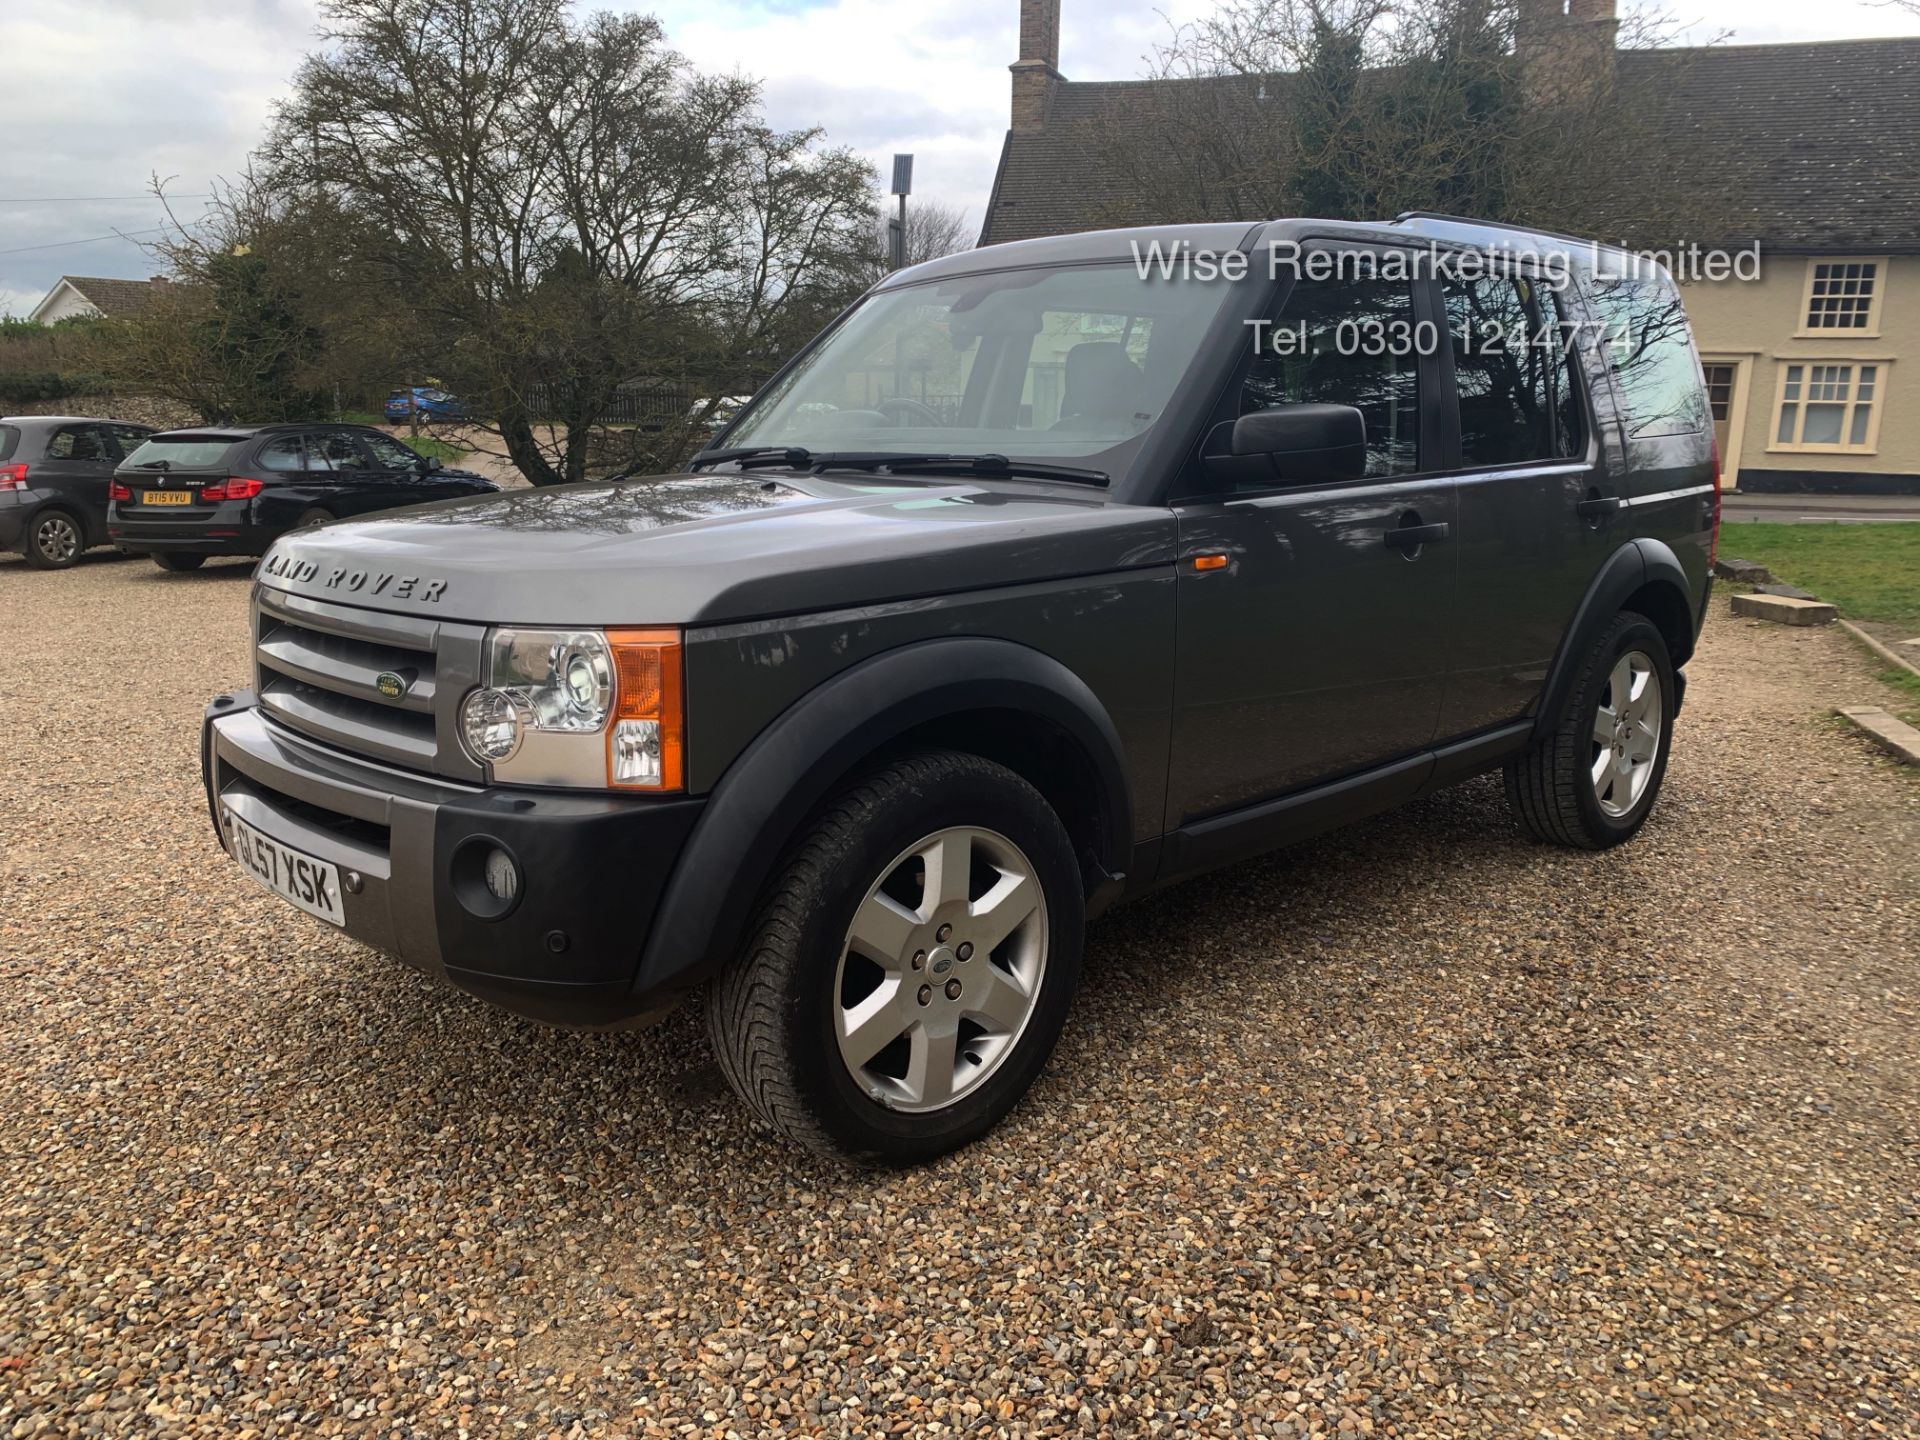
(409, 847)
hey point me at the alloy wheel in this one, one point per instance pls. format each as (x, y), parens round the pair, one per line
(1626, 734)
(941, 969)
(56, 539)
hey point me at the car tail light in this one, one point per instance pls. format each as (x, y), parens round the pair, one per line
(118, 491)
(646, 742)
(234, 487)
(13, 477)
(1713, 541)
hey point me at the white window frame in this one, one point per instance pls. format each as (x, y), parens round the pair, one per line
(1877, 298)
(1785, 365)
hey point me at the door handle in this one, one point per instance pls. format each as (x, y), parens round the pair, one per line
(1597, 507)
(1412, 537)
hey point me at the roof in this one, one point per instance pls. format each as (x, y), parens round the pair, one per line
(117, 299)
(1814, 146)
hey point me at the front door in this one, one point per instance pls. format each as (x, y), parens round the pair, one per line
(1720, 378)
(1320, 647)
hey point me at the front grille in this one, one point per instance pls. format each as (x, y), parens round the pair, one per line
(318, 668)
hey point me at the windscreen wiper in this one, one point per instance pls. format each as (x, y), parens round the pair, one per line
(992, 465)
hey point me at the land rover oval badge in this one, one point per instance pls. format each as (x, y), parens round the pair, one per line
(390, 685)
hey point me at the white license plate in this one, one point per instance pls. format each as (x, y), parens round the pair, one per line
(311, 884)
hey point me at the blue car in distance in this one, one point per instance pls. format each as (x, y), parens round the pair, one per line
(428, 401)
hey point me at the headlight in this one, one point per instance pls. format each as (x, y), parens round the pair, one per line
(580, 708)
(493, 724)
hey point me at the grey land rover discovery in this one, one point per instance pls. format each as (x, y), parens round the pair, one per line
(1051, 573)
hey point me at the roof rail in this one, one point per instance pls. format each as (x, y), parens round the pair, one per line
(1406, 216)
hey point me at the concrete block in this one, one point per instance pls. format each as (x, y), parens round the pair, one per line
(1747, 572)
(1889, 732)
(1785, 610)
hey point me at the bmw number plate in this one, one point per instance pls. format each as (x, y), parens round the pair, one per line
(311, 884)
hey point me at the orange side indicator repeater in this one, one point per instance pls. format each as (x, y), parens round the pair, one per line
(1209, 562)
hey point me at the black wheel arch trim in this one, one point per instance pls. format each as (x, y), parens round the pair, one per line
(792, 766)
(1628, 570)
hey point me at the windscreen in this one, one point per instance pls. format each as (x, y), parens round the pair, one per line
(1054, 364)
(183, 453)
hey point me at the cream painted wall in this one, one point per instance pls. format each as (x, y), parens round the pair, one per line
(1755, 323)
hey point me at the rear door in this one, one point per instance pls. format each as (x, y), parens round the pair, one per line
(1320, 648)
(346, 481)
(78, 466)
(1535, 503)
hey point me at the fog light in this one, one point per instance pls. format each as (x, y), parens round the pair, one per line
(502, 876)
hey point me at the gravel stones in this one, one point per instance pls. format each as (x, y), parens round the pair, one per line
(1420, 1129)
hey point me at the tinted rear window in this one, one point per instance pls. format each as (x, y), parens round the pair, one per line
(183, 454)
(1651, 350)
(9, 437)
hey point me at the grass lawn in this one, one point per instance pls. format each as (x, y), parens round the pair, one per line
(434, 449)
(1872, 572)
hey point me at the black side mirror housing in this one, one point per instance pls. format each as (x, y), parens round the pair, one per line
(1298, 444)
(427, 464)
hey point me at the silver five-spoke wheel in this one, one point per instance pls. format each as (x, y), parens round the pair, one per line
(941, 969)
(1626, 734)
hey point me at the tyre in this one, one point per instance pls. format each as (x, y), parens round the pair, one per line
(315, 516)
(174, 560)
(910, 968)
(1593, 781)
(55, 540)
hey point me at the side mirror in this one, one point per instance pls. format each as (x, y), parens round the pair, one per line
(427, 464)
(1300, 444)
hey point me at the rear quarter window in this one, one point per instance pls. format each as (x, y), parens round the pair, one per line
(183, 454)
(9, 438)
(1649, 348)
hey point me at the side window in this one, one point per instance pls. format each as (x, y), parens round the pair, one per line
(1650, 349)
(128, 438)
(1510, 369)
(1347, 341)
(78, 442)
(286, 453)
(333, 450)
(389, 452)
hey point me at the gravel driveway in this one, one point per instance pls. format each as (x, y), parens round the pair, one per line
(1417, 1130)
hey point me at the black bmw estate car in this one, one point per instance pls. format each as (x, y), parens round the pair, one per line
(188, 494)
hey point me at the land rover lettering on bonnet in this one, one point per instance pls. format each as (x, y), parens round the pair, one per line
(1035, 583)
(353, 580)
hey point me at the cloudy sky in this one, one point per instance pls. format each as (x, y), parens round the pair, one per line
(102, 94)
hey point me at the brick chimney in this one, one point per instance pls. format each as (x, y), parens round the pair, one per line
(1566, 49)
(1037, 71)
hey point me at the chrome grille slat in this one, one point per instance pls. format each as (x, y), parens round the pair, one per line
(316, 668)
(351, 724)
(349, 667)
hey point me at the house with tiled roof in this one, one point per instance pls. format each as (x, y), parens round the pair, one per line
(1813, 367)
(76, 295)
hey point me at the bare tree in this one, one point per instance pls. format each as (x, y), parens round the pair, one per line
(553, 209)
(1360, 109)
(230, 330)
(934, 229)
